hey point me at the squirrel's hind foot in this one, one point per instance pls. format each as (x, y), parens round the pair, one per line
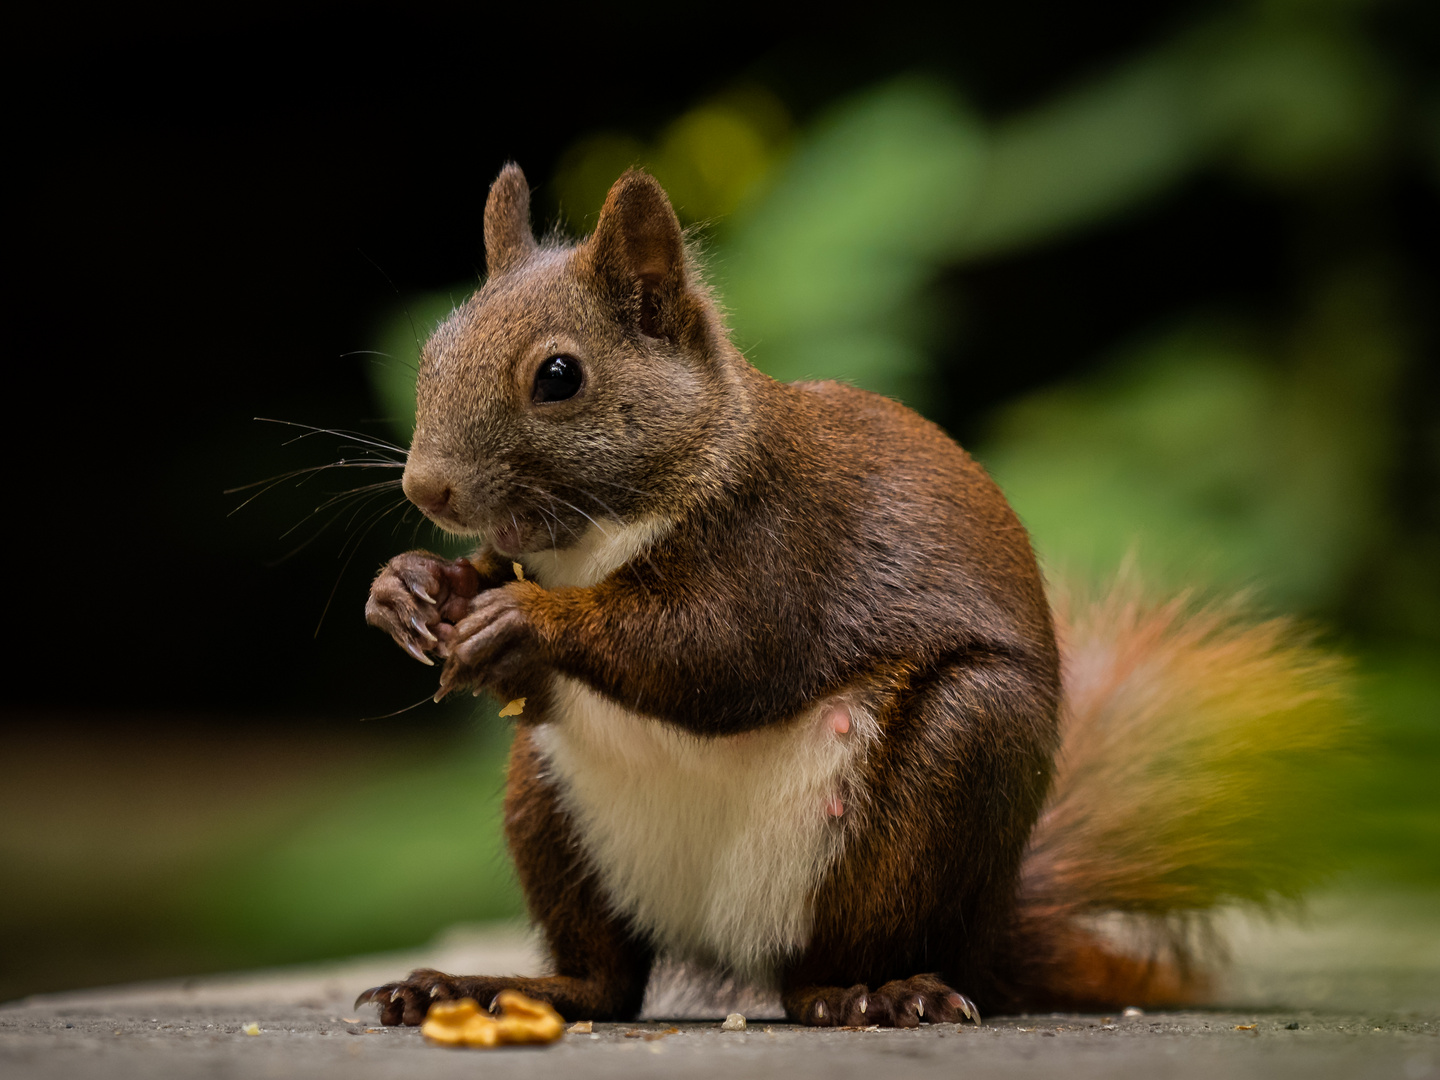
(902, 1003)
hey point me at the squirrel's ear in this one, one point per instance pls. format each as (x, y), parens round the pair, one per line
(639, 248)
(508, 239)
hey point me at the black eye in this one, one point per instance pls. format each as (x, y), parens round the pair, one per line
(557, 379)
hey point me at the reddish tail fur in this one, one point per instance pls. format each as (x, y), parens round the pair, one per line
(1187, 769)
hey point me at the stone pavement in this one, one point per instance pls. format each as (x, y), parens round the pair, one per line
(1315, 1003)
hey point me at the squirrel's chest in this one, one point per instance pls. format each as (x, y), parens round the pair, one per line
(712, 846)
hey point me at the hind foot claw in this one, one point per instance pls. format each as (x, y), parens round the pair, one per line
(903, 1003)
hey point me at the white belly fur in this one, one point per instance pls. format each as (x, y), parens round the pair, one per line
(711, 846)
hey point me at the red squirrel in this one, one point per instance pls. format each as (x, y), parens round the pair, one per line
(792, 690)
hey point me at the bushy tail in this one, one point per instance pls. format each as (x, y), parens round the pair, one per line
(1192, 775)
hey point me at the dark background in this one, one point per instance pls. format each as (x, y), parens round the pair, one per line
(216, 210)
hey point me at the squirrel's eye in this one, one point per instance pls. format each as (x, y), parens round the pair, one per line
(557, 379)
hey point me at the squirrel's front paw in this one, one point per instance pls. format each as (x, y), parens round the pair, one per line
(415, 594)
(407, 1001)
(495, 646)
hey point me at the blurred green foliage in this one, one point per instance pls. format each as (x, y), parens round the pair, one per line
(1210, 465)
(396, 358)
(182, 850)
(710, 158)
(1395, 800)
(388, 862)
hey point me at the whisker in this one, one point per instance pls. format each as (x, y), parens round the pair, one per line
(357, 510)
(354, 546)
(371, 517)
(377, 355)
(363, 489)
(409, 316)
(550, 515)
(306, 474)
(364, 494)
(591, 495)
(556, 498)
(608, 483)
(397, 712)
(363, 506)
(314, 536)
(372, 441)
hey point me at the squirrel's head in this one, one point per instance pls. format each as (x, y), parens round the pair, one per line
(581, 383)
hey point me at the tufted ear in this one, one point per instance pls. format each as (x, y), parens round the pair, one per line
(639, 249)
(508, 239)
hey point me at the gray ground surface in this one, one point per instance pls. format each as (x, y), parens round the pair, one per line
(1356, 994)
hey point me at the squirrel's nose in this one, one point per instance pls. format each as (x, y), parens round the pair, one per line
(429, 491)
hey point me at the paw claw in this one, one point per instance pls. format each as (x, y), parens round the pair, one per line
(415, 651)
(901, 1003)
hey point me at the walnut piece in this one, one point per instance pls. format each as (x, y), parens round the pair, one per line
(522, 1020)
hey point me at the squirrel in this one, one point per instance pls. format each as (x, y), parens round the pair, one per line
(793, 700)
